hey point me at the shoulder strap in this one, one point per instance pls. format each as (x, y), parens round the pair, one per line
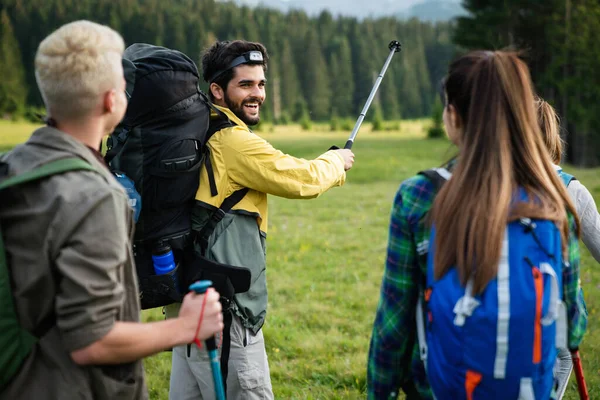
(203, 235)
(566, 178)
(438, 176)
(215, 125)
(46, 170)
(115, 143)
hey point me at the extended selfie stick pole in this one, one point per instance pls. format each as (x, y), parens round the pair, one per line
(201, 287)
(394, 47)
(581, 386)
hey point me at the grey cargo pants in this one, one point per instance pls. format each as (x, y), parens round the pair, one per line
(248, 377)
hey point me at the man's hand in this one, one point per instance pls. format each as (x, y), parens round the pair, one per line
(348, 157)
(212, 320)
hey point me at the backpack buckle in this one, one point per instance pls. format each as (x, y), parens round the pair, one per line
(528, 224)
(218, 215)
(225, 303)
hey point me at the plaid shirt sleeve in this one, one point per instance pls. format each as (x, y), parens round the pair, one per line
(393, 336)
(573, 293)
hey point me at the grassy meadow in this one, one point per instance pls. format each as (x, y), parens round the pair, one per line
(326, 258)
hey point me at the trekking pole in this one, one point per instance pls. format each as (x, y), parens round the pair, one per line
(201, 287)
(394, 47)
(581, 385)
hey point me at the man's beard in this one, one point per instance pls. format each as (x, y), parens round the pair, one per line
(238, 109)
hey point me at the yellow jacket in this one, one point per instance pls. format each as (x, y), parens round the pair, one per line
(242, 159)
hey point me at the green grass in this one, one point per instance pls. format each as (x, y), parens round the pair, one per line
(325, 262)
(13, 133)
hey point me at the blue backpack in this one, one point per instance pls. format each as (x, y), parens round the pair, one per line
(502, 343)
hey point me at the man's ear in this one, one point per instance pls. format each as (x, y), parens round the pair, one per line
(109, 101)
(216, 91)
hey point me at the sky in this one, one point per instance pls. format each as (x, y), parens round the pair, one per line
(357, 8)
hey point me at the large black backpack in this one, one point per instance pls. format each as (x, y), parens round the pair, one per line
(161, 145)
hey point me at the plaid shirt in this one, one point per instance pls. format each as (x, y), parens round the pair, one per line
(394, 361)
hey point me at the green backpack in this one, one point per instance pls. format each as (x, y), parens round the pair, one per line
(16, 342)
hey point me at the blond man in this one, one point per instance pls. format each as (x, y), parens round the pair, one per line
(68, 238)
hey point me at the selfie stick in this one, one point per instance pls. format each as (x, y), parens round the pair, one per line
(394, 47)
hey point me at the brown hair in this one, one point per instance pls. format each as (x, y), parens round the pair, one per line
(501, 149)
(550, 126)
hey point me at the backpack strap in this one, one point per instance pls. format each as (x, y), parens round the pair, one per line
(46, 170)
(438, 176)
(204, 234)
(566, 178)
(114, 143)
(215, 125)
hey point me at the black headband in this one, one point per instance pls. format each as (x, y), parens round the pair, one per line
(250, 57)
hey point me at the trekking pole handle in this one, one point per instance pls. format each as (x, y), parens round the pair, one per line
(394, 47)
(200, 287)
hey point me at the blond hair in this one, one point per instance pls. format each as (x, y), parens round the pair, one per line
(550, 126)
(75, 65)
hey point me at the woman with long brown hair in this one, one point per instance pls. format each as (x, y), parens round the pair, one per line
(502, 177)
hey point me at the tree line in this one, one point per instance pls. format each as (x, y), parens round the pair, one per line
(324, 67)
(320, 67)
(559, 40)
